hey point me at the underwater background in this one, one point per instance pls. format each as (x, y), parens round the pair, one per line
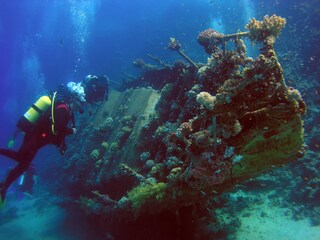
(47, 43)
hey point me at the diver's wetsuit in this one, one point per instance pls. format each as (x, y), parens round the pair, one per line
(40, 136)
(96, 88)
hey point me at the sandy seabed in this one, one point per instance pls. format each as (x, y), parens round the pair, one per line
(267, 222)
(34, 218)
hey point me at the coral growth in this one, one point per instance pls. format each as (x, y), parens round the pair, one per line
(206, 100)
(262, 31)
(141, 195)
(209, 39)
(213, 126)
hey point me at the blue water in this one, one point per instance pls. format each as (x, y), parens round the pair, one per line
(49, 42)
(45, 43)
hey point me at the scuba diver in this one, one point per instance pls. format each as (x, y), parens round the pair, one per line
(95, 88)
(46, 122)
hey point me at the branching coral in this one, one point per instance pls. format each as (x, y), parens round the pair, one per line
(271, 26)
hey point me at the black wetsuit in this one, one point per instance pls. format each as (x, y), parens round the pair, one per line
(96, 88)
(40, 136)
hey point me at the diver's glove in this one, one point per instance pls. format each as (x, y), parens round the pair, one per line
(11, 143)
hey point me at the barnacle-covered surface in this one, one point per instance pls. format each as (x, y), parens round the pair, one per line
(200, 130)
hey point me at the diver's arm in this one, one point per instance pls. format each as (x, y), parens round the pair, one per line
(62, 118)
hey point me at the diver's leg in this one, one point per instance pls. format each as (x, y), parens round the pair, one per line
(11, 154)
(29, 144)
(16, 172)
(29, 148)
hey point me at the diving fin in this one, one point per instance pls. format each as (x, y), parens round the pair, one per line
(2, 201)
(2, 204)
(2, 197)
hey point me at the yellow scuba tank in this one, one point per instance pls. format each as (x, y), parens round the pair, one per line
(30, 118)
